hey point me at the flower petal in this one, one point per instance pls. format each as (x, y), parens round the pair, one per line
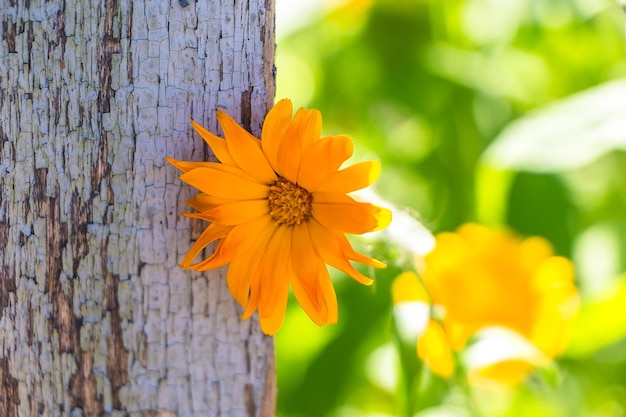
(511, 372)
(217, 259)
(310, 129)
(306, 265)
(234, 213)
(326, 292)
(276, 270)
(554, 278)
(290, 148)
(217, 144)
(320, 159)
(246, 150)
(225, 182)
(256, 273)
(329, 249)
(243, 268)
(186, 165)
(340, 212)
(275, 280)
(203, 202)
(274, 128)
(234, 244)
(353, 178)
(434, 349)
(272, 323)
(255, 291)
(353, 255)
(238, 277)
(212, 233)
(407, 287)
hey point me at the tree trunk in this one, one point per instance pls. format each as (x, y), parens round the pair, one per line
(96, 317)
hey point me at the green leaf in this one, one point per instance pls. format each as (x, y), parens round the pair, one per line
(565, 135)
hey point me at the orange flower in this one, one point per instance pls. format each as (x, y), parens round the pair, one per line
(480, 280)
(279, 211)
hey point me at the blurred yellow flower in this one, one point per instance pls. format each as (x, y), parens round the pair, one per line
(489, 283)
(279, 211)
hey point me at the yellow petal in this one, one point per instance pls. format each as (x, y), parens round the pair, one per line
(217, 144)
(433, 348)
(238, 276)
(350, 216)
(212, 233)
(322, 158)
(225, 182)
(234, 244)
(330, 250)
(351, 254)
(353, 178)
(310, 128)
(511, 372)
(276, 270)
(218, 258)
(235, 212)
(306, 265)
(326, 292)
(321, 305)
(407, 287)
(257, 274)
(277, 273)
(534, 249)
(274, 128)
(203, 202)
(290, 149)
(255, 291)
(245, 236)
(246, 150)
(186, 165)
(244, 267)
(270, 324)
(560, 302)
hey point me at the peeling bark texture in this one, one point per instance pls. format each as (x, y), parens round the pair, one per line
(96, 317)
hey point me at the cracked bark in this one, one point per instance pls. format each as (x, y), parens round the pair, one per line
(96, 318)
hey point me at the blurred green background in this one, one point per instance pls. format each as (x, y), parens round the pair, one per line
(504, 112)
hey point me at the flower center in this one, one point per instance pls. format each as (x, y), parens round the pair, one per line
(289, 203)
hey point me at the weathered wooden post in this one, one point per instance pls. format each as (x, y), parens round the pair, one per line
(96, 317)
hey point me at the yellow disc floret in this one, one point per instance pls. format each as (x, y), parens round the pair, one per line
(289, 203)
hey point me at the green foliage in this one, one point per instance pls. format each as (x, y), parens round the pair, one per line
(503, 112)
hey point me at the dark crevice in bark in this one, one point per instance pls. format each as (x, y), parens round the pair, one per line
(117, 355)
(62, 320)
(157, 413)
(248, 396)
(9, 398)
(101, 169)
(246, 109)
(61, 38)
(108, 45)
(7, 268)
(81, 217)
(56, 108)
(129, 56)
(30, 37)
(269, 52)
(8, 34)
(83, 385)
(3, 136)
